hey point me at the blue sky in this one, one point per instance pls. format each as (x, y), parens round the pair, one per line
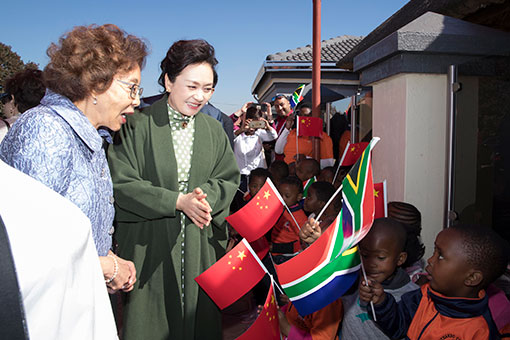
(242, 32)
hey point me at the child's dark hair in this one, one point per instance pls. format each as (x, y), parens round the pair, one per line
(399, 233)
(293, 180)
(260, 172)
(323, 190)
(253, 113)
(280, 168)
(485, 250)
(311, 166)
(410, 217)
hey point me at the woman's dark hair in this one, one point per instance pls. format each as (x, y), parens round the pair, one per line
(87, 58)
(253, 113)
(184, 53)
(27, 88)
(410, 217)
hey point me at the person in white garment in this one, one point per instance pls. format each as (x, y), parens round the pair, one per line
(62, 287)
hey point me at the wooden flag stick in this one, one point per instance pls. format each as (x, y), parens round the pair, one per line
(366, 283)
(340, 162)
(329, 202)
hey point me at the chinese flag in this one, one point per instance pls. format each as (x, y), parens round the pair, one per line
(309, 126)
(381, 200)
(260, 247)
(259, 215)
(232, 276)
(352, 153)
(266, 326)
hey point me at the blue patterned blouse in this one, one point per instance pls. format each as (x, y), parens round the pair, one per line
(57, 145)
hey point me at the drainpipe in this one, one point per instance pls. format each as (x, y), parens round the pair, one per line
(316, 72)
(453, 87)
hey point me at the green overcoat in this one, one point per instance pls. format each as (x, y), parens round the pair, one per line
(144, 173)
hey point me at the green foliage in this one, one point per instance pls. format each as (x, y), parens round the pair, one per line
(11, 63)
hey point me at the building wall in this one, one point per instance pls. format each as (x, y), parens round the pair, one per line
(409, 114)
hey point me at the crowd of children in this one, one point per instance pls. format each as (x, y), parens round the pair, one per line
(444, 298)
(450, 296)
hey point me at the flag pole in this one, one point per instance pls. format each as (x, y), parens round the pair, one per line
(292, 215)
(385, 199)
(329, 202)
(341, 160)
(280, 289)
(283, 202)
(366, 283)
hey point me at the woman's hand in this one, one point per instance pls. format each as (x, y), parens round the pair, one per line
(125, 277)
(246, 125)
(289, 122)
(242, 110)
(310, 232)
(268, 112)
(196, 207)
(267, 126)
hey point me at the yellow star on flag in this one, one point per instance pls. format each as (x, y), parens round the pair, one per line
(376, 193)
(241, 255)
(266, 194)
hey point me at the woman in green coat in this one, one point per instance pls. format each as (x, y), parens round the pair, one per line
(174, 176)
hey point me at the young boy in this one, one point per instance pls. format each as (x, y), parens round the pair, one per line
(382, 252)
(255, 180)
(279, 170)
(285, 234)
(453, 305)
(307, 171)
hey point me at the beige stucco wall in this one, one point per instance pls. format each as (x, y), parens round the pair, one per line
(409, 114)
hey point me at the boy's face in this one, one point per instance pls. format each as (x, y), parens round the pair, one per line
(290, 194)
(380, 255)
(312, 203)
(326, 176)
(255, 184)
(448, 267)
(301, 172)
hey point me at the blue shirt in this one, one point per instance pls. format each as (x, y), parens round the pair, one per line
(57, 145)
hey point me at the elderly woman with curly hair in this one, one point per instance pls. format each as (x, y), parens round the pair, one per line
(92, 83)
(174, 175)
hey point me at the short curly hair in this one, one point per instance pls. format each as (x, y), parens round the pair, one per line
(484, 249)
(27, 88)
(87, 58)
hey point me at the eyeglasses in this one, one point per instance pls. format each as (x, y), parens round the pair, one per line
(134, 89)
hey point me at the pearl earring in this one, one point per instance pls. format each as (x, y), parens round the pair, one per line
(94, 101)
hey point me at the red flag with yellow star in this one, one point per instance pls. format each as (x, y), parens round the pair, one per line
(309, 126)
(381, 200)
(266, 326)
(352, 153)
(260, 214)
(233, 275)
